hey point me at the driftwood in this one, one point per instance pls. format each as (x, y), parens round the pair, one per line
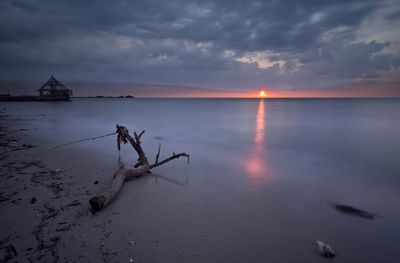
(141, 167)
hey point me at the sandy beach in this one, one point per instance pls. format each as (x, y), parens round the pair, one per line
(45, 213)
(216, 209)
(40, 205)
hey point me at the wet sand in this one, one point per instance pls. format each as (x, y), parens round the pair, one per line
(40, 205)
(180, 213)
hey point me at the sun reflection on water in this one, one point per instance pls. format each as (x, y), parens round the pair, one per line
(260, 124)
(255, 165)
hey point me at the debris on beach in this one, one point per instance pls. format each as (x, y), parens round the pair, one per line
(74, 203)
(347, 209)
(141, 167)
(23, 147)
(9, 253)
(33, 200)
(325, 249)
(7, 197)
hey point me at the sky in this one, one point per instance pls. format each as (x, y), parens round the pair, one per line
(230, 48)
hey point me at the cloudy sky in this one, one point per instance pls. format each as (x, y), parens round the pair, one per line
(285, 45)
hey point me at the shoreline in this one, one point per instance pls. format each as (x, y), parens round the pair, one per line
(41, 206)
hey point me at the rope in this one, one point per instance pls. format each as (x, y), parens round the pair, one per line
(69, 143)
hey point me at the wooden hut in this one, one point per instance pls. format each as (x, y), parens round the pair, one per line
(54, 90)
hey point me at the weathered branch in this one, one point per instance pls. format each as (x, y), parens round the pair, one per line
(125, 173)
(174, 156)
(101, 200)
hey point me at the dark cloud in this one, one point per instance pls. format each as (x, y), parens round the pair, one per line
(394, 16)
(217, 44)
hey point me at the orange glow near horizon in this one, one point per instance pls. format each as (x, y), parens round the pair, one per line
(253, 91)
(356, 92)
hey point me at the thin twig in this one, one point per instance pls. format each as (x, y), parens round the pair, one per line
(175, 156)
(140, 135)
(158, 153)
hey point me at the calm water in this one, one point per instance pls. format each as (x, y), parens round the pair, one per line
(263, 174)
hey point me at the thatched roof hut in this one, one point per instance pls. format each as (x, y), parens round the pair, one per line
(54, 89)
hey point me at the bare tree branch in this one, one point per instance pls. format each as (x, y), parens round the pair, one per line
(174, 156)
(125, 173)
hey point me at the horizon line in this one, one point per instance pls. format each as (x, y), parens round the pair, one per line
(335, 97)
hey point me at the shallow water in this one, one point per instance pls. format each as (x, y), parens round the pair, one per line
(262, 178)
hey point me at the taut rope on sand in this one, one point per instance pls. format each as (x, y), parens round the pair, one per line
(69, 143)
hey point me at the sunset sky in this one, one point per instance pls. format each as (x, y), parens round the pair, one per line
(288, 48)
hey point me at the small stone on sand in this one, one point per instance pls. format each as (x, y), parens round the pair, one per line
(33, 200)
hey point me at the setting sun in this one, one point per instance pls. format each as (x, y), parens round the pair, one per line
(261, 94)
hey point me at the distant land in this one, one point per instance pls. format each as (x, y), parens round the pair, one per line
(108, 90)
(106, 97)
(115, 90)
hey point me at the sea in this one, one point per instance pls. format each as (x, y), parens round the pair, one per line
(263, 178)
